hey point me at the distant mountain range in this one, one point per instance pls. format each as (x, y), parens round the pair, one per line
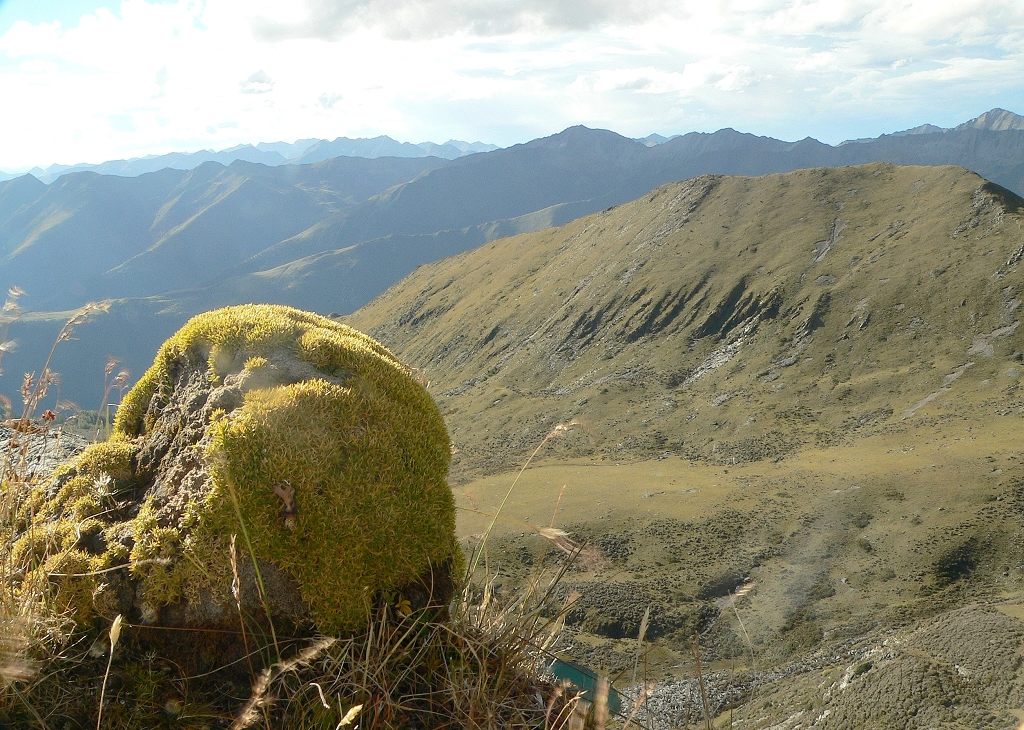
(994, 120)
(332, 235)
(303, 151)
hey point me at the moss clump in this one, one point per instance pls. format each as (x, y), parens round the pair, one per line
(58, 533)
(354, 456)
(224, 337)
(306, 439)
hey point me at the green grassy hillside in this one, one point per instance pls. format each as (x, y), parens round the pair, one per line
(802, 387)
(726, 319)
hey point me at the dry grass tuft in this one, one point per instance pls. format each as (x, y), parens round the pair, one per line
(480, 669)
(32, 631)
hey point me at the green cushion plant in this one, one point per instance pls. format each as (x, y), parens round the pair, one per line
(303, 438)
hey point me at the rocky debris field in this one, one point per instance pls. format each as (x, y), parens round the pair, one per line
(957, 669)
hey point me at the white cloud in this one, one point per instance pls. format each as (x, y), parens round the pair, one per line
(815, 17)
(330, 19)
(152, 77)
(650, 80)
(258, 83)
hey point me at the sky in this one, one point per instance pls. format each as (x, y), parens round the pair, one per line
(94, 80)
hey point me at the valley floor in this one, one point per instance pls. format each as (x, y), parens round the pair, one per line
(891, 564)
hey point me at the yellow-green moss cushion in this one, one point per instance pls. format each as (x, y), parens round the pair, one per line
(305, 441)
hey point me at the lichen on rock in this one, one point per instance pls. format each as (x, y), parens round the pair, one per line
(304, 439)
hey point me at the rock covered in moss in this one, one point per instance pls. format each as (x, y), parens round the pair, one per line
(272, 464)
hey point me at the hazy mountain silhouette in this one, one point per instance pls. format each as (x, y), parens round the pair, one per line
(384, 146)
(303, 151)
(332, 235)
(89, 236)
(995, 120)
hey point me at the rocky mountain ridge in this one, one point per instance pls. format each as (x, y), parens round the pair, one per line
(723, 318)
(994, 120)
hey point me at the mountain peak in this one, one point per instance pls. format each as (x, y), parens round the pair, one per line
(652, 140)
(995, 120)
(580, 135)
(27, 180)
